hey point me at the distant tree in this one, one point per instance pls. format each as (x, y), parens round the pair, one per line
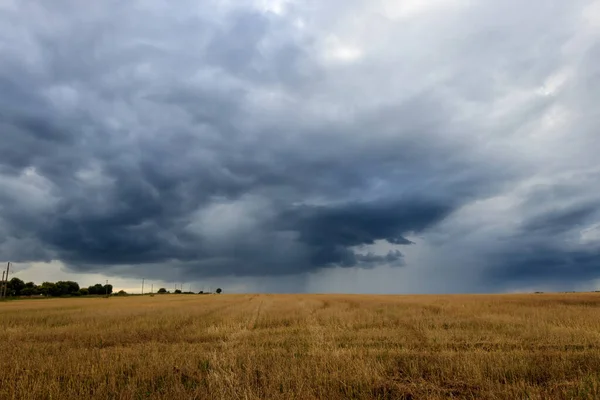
(219, 290)
(15, 285)
(201, 292)
(107, 289)
(162, 290)
(84, 291)
(67, 288)
(96, 289)
(28, 291)
(73, 287)
(62, 288)
(122, 293)
(177, 291)
(49, 289)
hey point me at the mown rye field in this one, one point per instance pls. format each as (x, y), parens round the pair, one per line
(542, 346)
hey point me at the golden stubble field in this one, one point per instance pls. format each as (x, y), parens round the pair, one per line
(543, 346)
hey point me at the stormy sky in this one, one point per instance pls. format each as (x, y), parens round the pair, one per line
(377, 146)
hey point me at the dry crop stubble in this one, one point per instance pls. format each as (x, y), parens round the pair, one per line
(302, 346)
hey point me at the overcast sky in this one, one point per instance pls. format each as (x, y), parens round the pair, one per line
(383, 146)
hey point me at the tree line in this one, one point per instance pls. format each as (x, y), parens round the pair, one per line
(16, 287)
(162, 290)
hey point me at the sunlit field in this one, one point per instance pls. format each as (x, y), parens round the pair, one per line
(537, 346)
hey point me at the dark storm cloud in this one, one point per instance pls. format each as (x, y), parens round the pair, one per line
(541, 264)
(557, 243)
(125, 193)
(558, 221)
(329, 231)
(316, 237)
(237, 140)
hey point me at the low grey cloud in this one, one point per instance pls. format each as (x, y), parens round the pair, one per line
(279, 138)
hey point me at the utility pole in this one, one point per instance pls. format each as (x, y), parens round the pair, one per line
(142, 286)
(107, 288)
(2, 285)
(152, 288)
(5, 286)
